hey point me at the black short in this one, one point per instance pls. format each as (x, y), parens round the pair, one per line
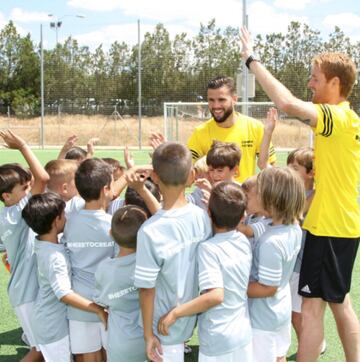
(327, 266)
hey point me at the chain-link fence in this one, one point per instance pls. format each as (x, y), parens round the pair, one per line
(95, 92)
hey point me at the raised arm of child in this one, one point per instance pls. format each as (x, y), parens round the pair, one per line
(202, 303)
(90, 146)
(128, 159)
(41, 177)
(69, 143)
(269, 126)
(136, 180)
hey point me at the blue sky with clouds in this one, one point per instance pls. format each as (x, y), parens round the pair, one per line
(109, 20)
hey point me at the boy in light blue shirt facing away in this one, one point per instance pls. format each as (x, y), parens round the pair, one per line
(45, 214)
(87, 240)
(224, 270)
(166, 271)
(115, 289)
(16, 187)
(282, 196)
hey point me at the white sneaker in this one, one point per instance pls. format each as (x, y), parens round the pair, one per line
(323, 346)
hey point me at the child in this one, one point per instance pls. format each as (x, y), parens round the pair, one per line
(222, 162)
(165, 256)
(45, 214)
(18, 238)
(301, 161)
(62, 178)
(118, 170)
(282, 196)
(88, 242)
(115, 289)
(224, 269)
(256, 219)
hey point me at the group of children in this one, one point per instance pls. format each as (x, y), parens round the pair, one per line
(107, 278)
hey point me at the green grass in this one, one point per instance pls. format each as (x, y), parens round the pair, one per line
(12, 349)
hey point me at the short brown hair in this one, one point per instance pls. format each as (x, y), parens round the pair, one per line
(172, 163)
(125, 225)
(338, 65)
(227, 204)
(282, 193)
(305, 157)
(12, 174)
(60, 171)
(222, 154)
(222, 81)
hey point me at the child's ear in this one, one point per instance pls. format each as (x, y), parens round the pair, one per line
(110, 233)
(5, 196)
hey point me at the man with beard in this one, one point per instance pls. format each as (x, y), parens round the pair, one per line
(226, 125)
(333, 219)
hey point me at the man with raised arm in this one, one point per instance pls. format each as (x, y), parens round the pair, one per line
(333, 220)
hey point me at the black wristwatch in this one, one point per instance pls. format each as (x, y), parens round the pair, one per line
(250, 60)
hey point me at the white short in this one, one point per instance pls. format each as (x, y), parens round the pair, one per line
(24, 313)
(243, 354)
(173, 353)
(296, 299)
(58, 351)
(267, 346)
(86, 337)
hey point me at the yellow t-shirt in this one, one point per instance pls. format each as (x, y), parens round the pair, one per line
(247, 133)
(334, 210)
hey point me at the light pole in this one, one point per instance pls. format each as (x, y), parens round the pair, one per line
(56, 24)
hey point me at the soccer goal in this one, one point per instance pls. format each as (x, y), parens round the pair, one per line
(181, 118)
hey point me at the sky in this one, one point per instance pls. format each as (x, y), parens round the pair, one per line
(105, 21)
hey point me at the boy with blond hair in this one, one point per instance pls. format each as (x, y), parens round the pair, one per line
(166, 270)
(282, 196)
(16, 188)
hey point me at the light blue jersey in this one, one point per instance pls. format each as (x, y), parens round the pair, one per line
(49, 318)
(166, 260)
(18, 240)
(225, 262)
(196, 198)
(115, 290)
(115, 205)
(87, 240)
(273, 259)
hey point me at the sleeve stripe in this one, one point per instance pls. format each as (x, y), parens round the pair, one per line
(195, 155)
(146, 278)
(328, 121)
(265, 277)
(150, 275)
(151, 270)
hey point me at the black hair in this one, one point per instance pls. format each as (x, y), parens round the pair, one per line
(125, 225)
(12, 174)
(227, 204)
(41, 211)
(133, 198)
(91, 176)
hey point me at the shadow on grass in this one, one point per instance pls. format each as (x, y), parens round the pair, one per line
(12, 338)
(193, 356)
